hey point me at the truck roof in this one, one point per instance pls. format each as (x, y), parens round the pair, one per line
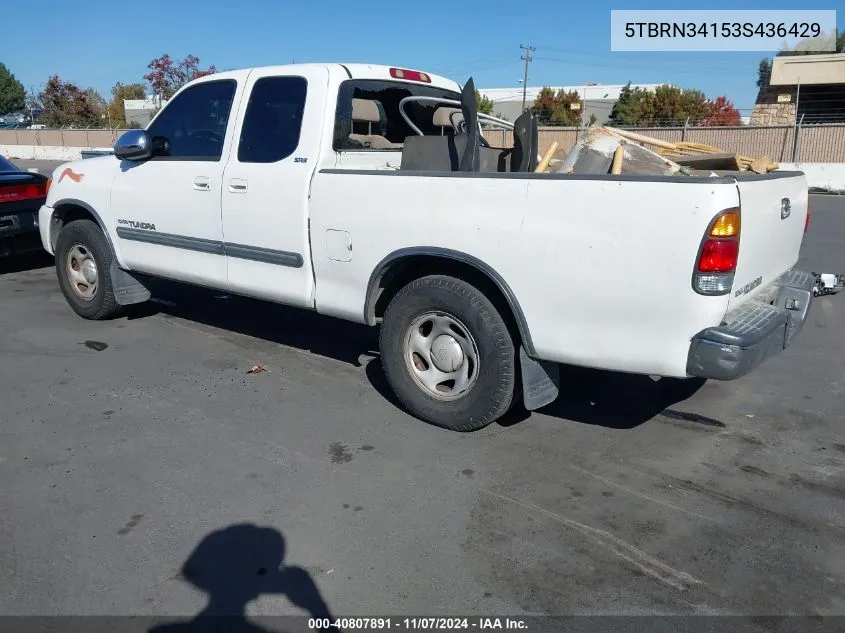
(355, 71)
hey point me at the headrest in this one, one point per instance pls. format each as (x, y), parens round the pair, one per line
(365, 110)
(447, 117)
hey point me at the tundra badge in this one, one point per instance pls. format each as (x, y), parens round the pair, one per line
(785, 208)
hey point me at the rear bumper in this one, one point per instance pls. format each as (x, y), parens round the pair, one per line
(18, 231)
(756, 331)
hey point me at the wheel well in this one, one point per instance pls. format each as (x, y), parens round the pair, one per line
(65, 214)
(402, 271)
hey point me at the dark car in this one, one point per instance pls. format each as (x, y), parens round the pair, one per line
(21, 195)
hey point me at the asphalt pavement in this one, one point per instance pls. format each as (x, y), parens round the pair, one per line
(45, 167)
(144, 471)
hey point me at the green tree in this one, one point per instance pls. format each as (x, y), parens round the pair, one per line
(666, 105)
(12, 93)
(121, 92)
(557, 107)
(483, 103)
(764, 71)
(676, 105)
(635, 106)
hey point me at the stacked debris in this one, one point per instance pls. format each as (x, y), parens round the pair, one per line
(602, 150)
(704, 156)
(606, 150)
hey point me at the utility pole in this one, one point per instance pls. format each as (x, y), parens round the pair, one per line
(31, 105)
(526, 58)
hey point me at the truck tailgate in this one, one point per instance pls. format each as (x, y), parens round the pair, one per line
(773, 212)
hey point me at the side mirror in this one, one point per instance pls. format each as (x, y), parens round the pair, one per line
(134, 145)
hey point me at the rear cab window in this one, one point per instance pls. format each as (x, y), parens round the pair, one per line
(368, 118)
(273, 120)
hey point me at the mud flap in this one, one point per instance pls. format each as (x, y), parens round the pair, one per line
(127, 289)
(540, 381)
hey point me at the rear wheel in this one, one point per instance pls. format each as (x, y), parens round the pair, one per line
(447, 353)
(83, 259)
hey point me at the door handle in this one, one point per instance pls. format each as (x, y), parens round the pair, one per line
(202, 183)
(237, 185)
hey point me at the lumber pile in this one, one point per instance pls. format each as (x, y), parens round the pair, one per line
(696, 154)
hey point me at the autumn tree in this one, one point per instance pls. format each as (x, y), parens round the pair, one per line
(483, 104)
(557, 107)
(166, 76)
(12, 93)
(65, 103)
(121, 92)
(721, 111)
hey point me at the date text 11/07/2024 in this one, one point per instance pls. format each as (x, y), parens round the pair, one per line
(421, 623)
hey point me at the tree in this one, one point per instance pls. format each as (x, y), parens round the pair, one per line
(764, 72)
(167, 76)
(98, 107)
(721, 111)
(483, 104)
(556, 107)
(665, 105)
(120, 93)
(12, 93)
(635, 106)
(64, 103)
(676, 105)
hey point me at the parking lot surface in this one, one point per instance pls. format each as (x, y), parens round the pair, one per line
(142, 466)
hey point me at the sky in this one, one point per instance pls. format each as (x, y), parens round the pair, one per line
(97, 43)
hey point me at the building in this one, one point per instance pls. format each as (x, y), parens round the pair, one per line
(139, 112)
(808, 86)
(596, 99)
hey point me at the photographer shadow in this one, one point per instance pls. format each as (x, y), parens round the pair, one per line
(235, 566)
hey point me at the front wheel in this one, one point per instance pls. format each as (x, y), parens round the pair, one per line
(447, 353)
(83, 259)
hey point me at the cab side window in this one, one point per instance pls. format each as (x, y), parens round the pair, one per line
(273, 120)
(194, 122)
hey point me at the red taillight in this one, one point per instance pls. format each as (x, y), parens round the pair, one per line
(807, 220)
(22, 192)
(718, 256)
(410, 75)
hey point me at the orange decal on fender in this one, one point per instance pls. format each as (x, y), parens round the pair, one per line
(71, 174)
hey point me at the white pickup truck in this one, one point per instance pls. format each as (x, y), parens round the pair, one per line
(369, 193)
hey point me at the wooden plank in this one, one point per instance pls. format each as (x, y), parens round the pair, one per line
(640, 138)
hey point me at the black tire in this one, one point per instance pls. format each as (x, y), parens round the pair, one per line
(490, 396)
(88, 235)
